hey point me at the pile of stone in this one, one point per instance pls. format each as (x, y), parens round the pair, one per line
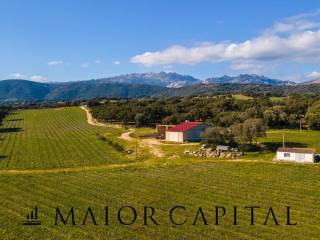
(209, 152)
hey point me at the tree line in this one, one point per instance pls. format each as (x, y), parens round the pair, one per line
(292, 111)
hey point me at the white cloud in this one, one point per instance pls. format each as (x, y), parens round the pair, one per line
(298, 23)
(313, 75)
(116, 62)
(97, 61)
(55, 62)
(296, 38)
(85, 65)
(38, 78)
(17, 76)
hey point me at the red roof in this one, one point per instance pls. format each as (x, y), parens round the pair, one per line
(185, 126)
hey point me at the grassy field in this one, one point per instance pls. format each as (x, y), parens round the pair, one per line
(55, 139)
(293, 138)
(51, 138)
(192, 186)
(241, 97)
(277, 99)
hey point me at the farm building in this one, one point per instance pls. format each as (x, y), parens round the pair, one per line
(186, 132)
(161, 130)
(306, 155)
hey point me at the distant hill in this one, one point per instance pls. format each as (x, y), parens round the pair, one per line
(247, 79)
(164, 79)
(316, 81)
(13, 90)
(91, 89)
(150, 84)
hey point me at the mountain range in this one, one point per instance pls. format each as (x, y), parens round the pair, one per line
(129, 85)
(163, 79)
(247, 79)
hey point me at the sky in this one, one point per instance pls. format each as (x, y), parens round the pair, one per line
(67, 40)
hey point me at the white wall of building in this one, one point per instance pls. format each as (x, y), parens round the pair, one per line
(174, 136)
(295, 157)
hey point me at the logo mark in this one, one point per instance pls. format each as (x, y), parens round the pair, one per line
(32, 218)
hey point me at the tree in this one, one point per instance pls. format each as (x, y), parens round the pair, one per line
(313, 116)
(218, 136)
(249, 130)
(140, 119)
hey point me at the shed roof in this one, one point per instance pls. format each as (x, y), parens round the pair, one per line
(185, 126)
(297, 150)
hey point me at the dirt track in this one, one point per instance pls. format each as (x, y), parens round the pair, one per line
(91, 120)
(126, 135)
(148, 143)
(116, 166)
(151, 144)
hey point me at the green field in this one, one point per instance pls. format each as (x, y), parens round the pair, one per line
(53, 138)
(293, 138)
(50, 139)
(241, 97)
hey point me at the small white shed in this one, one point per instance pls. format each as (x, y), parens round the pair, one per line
(302, 155)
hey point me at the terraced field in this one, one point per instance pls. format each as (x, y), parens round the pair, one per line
(52, 138)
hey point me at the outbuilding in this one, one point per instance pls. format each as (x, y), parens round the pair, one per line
(302, 155)
(186, 132)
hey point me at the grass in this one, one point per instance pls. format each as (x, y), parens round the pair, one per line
(277, 99)
(29, 139)
(206, 185)
(293, 138)
(143, 132)
(241, 97)
(51, 138)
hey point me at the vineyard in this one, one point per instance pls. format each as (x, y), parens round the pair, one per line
(51, 138)
(37, 144)
(192, 186)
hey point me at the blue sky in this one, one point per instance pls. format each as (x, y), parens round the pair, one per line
(65, 40)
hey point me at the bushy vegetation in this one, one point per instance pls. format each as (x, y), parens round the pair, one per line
(118, 147)
(239, 133)
(253, 90)
(218, 111)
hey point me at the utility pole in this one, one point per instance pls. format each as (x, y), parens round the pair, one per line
(300, 124)
(136, 147)
(283, 144)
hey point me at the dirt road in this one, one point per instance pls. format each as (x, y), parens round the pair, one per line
(126, 136)
(91, 120)
(148, 143)
(151, 144)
